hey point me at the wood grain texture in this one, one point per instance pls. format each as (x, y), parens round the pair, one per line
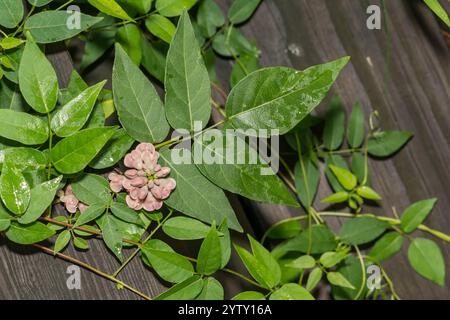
(401, 70)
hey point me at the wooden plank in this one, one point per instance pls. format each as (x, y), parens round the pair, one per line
(412, 94)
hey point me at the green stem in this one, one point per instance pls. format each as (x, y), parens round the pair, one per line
(131, 257)
(192, 136)
(363, 270)
(20, 28)
(392, 221)
(64, 5)
(235, 273)
(50, 146)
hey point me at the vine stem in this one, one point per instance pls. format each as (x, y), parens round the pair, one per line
(92, 269)
(91, 231)
(392, 221)
(135, 252)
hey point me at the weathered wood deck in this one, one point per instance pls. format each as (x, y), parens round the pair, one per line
(402, 70)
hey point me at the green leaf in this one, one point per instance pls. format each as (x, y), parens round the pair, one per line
(137, 6)
(41, 197)
(111, 8)
(25, 159)
(99, 40)
(28, 234)
(112, 236)
(10, 97)
(129, 37)
(242, 10)
(160, 27)
(291, 291)
(125, 213)
(279, 98)
(345, 177)
(338, 161)
(307, 178)
(387, 246)
(169, 265)
(76, 86)
(115, 150)
(207, 202)
(182, 228)
(210, 257)
(261, 265)
(249, 295)
(37, 79)
(14, 56)
(426, 258)
(212, 290)
(322, 240)
(4, 224)
(386, 143)
(92, 189)
(231, 42)
(361, 230)
(358, 168)
(173, 8)
(416, 213)
(154, 58)
(225, 243)
(23, 127)
(355, 130)
(337, 197)
(313, 279)
(247, 64)
(140, 109)
(368, 193)
(80, 243)
(189, 289)
(188, 89)
(333, 134)
(253, 179)
(10, 43)
(303, 262)
(330, 259)
(74, 153)
(72, 116)
(93, 212)
(62, 241)
(350, 268)
(284, 230)
(209, 17)
(338, 279)
(254, 267)
(14, 189)
(52, 26)
(11, 13)
(264, 257)
(437, 8)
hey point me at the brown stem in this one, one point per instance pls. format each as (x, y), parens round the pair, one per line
(92, 269)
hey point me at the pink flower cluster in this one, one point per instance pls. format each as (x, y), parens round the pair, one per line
(71, 202)
(145, 181)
